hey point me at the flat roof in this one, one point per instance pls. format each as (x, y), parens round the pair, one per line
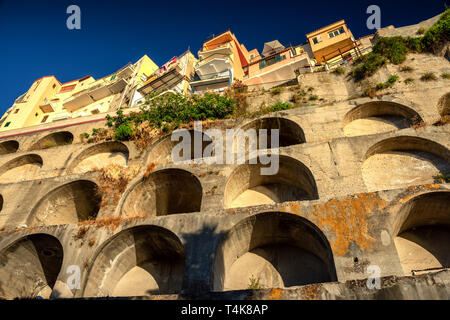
(326, 27)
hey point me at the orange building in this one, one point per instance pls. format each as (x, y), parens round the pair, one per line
(221, 60)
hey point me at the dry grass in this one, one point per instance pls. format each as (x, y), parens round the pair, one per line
(150, 168)
(145, 135)
(81, 233)
(113, 180)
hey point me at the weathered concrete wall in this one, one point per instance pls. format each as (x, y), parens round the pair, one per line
(358, 186)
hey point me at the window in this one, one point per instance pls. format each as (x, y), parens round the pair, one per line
(68, 88)
(7, 124)
(17, 110)
(317, 39)
(54, 86)
(272, 60)
(336, 32)
(44, 119)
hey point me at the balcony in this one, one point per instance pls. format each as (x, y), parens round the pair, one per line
(95, 93)
(61, 116)
(213, 68)
(167, 80)
(48, 107)
(125, 72)
(221, 51)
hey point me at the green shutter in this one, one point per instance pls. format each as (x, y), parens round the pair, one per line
(262, 64)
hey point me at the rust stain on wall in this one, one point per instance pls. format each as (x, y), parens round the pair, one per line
(275, 294)
(347, 219)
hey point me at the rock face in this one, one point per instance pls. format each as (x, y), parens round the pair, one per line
(360, 195)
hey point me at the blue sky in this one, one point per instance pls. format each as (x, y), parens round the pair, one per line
(34, 39)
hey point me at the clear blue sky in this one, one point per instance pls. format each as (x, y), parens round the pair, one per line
(34, 39)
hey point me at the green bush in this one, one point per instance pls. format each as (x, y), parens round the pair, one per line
(276, 91)
(168, 111)
(279, 106)
(394, 49)
(124, 132)
(339, 71)
(409, 80)
(406, 69)
(438, 34)
(393, 78)
(313, 97)
(445, 76)
(428, 76)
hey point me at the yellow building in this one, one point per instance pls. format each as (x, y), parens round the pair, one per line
(334, 40)
(173, 75)
(48, 100)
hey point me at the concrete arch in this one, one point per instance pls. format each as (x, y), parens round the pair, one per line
(30, 266)
(404, 161)
(422, 232)
(70, 203)
(10, 146)
(25, 167)
(278, 249)
(164, 192)
(443, 105)
(53, 140)
(100, 155)
(290, 133)
(161, 151)
(138, 261)
(247, 187)
(379, 116)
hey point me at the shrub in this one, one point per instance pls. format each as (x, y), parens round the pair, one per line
(313, 97)
(372, 62)
(279, 106)
(436, 36)
(393, 78)
(445, 76)
(409, 80)
(254, 283)
(428, 76)
(276, 91)
(381, 86)
(339, 71)
(442, 178)
(406, 69)
(124, 132)
(421, 31)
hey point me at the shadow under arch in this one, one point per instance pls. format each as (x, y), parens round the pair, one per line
(30, 266)
(290, 133)
(164, 192)
(161, 151)
(72, 202)
(246, 186)
(10, 146)
(138, 261)
(278, 249)
(52, 140)
(384, 116)
(422, 232)
(24, 167)
(99, 155)
(411, 160)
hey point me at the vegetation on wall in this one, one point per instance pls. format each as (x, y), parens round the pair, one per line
(395, 49)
